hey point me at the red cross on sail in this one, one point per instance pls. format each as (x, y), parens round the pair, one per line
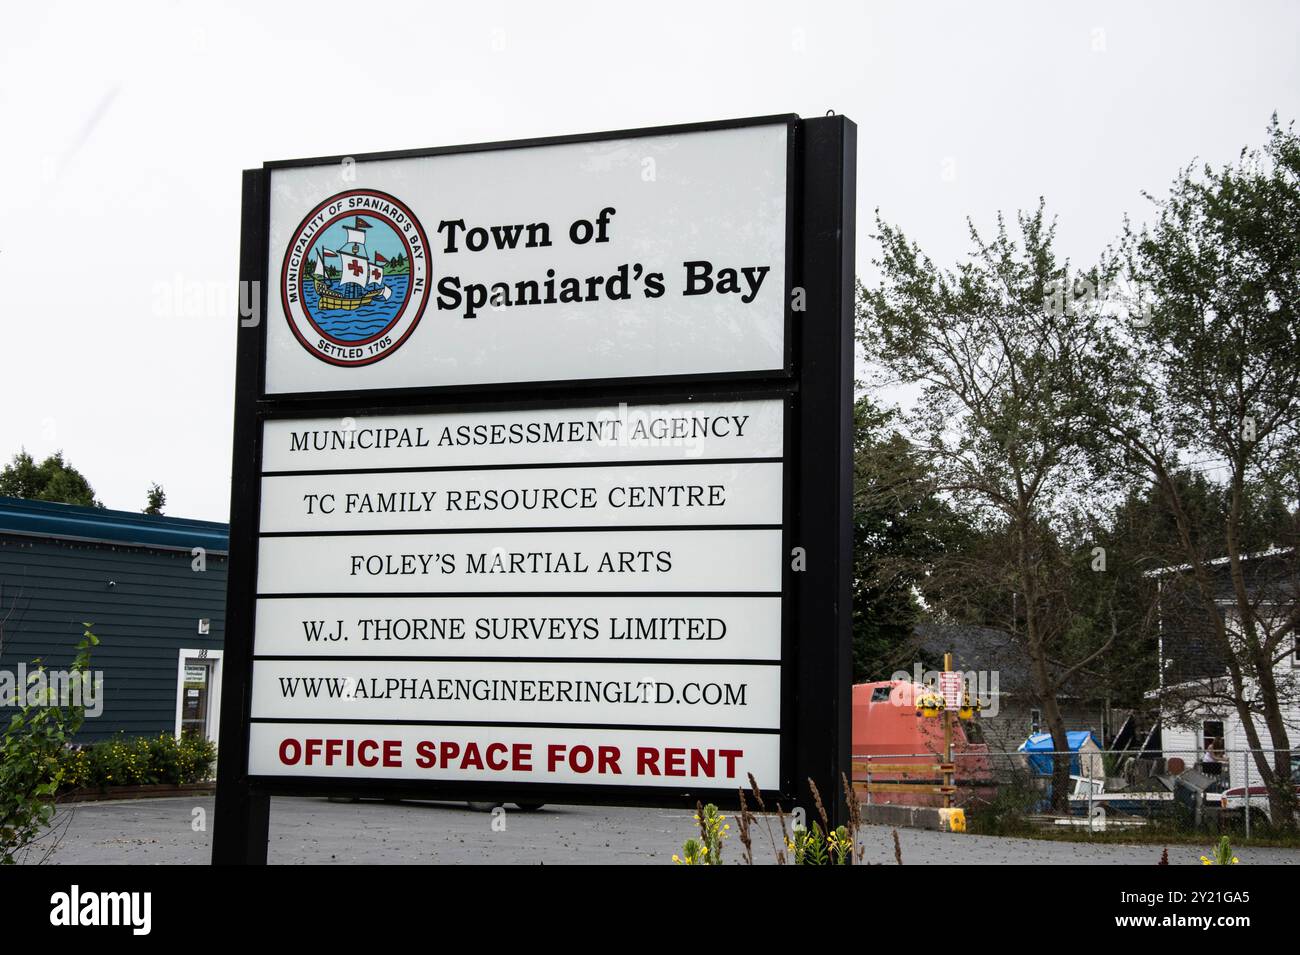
(354, 268)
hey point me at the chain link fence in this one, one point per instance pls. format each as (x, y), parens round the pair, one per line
(1132, 793)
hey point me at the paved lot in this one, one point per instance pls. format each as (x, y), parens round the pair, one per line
(315, 831)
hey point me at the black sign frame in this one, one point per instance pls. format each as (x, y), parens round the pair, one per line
(816, 386)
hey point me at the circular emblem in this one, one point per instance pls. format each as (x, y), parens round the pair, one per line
(355, 278)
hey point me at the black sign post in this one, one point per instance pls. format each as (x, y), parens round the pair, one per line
(815, 388)
(823, 632)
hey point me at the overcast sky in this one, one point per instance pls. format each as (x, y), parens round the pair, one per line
(125, 127)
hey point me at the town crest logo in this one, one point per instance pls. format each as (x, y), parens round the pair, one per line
(355, 279)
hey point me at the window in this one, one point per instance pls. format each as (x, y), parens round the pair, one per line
(196, 685)
(1212, 753)
(1035, 720)
(881, 694)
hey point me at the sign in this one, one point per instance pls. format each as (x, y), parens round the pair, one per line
(952, 687)
(398, 581)
(541, 473)
(621, 257)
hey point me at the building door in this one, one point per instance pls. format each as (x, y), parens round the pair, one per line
(196, 696)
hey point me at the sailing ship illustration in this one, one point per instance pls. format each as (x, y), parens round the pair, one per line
(361, 275)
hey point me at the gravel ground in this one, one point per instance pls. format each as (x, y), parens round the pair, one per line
(316, 831)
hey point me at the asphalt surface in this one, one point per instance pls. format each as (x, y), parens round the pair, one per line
(177, 831)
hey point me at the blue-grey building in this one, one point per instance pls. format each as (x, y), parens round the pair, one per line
(154, 589)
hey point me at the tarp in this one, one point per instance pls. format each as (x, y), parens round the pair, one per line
(1039, 747)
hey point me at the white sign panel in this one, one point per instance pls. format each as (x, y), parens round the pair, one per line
(562, 581)
(542, 628)
(611, 433)
(651, 694)
(515, 754)
(700, 494)
(644, 256)
(641, 561)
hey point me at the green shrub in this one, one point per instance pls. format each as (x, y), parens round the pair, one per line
(814, 847)
(706, 850)
(139, 761)
(32, 748)
(1006, 813)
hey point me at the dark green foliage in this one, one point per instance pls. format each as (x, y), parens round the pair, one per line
(139, 761)
(1207, 376)
(52, 480)
(996, 364)
(157, 499)
(900, 529)
(31, 754)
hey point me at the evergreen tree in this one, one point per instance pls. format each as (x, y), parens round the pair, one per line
(157, 499)
(52, 480)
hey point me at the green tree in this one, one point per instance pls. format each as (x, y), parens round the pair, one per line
(52, 480)
(997, 410)
(157, 499)
(1113, 597)
(901, 527)
(1207, 372)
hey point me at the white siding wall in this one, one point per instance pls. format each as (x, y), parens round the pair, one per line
(1185, 742)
